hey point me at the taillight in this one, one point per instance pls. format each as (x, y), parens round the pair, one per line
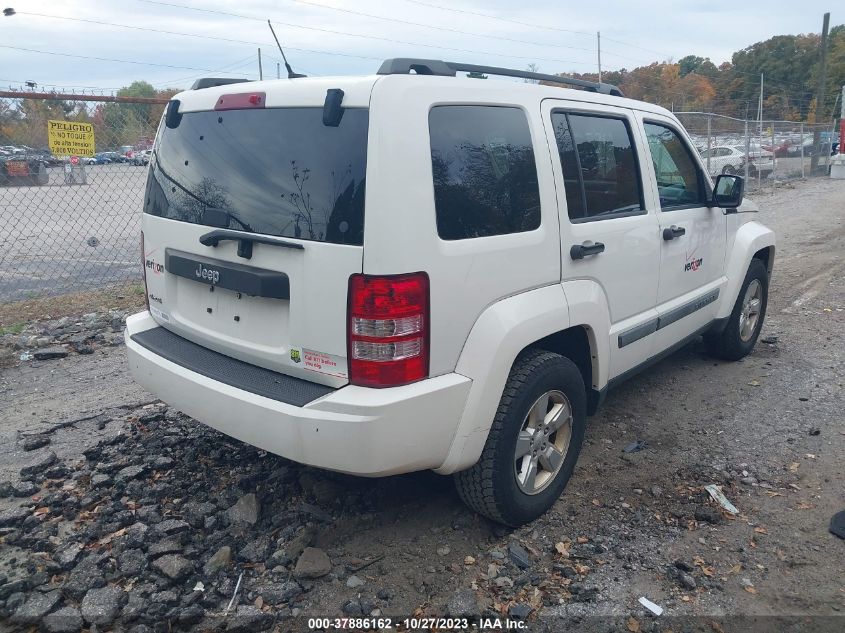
(144, 271)
(388, 329)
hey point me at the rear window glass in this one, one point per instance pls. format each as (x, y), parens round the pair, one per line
(277, 171)
(485, 176)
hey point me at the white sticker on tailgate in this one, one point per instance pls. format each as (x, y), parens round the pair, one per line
(318, 362)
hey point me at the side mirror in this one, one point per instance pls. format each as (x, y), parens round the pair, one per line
(728, 191)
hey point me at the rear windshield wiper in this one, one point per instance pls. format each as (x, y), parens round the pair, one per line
(245, 241)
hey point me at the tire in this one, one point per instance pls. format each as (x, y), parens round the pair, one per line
(734, 342)
(728, 170)
(491, 487)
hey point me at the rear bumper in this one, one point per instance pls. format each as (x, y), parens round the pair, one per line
(370, 432)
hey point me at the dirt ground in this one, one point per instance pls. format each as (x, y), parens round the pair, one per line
(769, 430)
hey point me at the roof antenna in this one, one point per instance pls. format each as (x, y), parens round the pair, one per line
(291, 74)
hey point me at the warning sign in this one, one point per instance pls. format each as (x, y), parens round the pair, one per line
(70, 137)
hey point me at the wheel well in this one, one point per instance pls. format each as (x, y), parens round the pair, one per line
(766, 255)
(576, 344)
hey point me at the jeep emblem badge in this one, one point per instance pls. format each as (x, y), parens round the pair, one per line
(207, 273)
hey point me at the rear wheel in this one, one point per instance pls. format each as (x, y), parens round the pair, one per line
(533, 444)
(740, 334)
(729, 170)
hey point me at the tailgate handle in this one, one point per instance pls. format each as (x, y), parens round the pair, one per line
(245, 241)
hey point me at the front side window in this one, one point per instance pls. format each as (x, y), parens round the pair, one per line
(599, 165)
(485, 175)
(679, 181)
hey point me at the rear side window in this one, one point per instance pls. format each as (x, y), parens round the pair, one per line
(485, 175)
(277, 171)
(599, 164)
(679, 180)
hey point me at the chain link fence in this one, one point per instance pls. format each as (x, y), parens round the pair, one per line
(71, 223)
(763, 151)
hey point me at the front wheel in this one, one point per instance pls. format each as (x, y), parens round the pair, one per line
(533, 443)
(740, 334)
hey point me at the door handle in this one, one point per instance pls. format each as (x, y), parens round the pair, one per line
(580, 251)
(672, 232)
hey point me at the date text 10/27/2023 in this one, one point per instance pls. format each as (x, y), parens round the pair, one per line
(416, 624)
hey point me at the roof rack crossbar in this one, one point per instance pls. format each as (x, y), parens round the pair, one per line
(405, 65)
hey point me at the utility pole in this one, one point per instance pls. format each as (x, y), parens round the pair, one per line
(598, 50)
(260, 71)
(278, 70)
(814, 160)
(760, 107)
(842, 124)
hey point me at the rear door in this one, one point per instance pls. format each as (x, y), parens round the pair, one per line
(253, 223)
(692, 235)
(608, 233)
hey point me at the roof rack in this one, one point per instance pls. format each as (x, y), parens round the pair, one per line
(405, 65)
(211, 82)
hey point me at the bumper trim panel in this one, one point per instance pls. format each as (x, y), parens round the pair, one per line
(230, 371)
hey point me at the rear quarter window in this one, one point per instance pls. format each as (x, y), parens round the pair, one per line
(485, 174)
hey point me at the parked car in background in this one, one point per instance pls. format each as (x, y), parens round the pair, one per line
(20, 170)
(115, 157)
(141, 157)
(780, 149)
(826, 146)
(729, 159)
(93, 160)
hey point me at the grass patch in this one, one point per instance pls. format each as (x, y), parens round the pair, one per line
(18, 313)
(15, 328)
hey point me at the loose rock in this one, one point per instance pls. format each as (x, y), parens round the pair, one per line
(248, 618)
(464, 604)
(354, 581)
(313, 563)
(246, 510)
(36, 607)
(65, 620)
(519, 555)
(101, 606)
(49, 353)
(221, 559)
(34, 442)
(40, 463)
(173, 566)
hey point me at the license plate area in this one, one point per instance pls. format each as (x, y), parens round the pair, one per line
(246, 280)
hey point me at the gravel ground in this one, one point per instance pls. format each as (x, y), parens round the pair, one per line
(124, 514)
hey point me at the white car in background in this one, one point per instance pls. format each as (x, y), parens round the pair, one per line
(729, 159)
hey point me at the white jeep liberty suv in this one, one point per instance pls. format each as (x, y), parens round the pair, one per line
(415, 270)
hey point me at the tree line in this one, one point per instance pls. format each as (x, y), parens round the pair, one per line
(789, 64)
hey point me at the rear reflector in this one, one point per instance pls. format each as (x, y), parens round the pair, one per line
(240, 101)
(388, 329)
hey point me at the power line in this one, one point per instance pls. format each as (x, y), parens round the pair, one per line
(545, 27)
(392, 40)
(104, 59)
(379, 17)
(182, 34)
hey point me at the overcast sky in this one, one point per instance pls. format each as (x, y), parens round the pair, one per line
(326, 37)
